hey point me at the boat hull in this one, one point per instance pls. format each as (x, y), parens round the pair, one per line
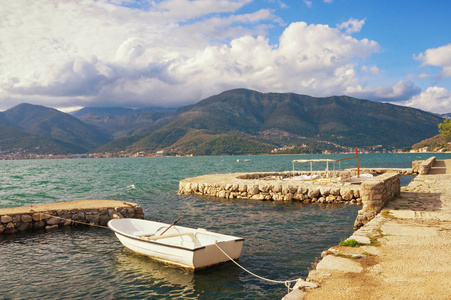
(189, 248)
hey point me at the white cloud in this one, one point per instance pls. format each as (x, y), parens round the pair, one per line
(399, 92)
(440, 57)
(374, 70)
(352, 25)
(86, 52)
(434, 99)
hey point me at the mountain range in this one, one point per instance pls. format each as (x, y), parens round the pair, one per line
(238, 121)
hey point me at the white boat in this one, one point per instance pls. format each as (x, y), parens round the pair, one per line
(186, 247)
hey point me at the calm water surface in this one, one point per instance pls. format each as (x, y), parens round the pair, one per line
(282, 239)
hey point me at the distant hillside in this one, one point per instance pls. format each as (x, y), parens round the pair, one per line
(434, 143)
(260, 121)
(47, 122)
(123, 125)
(16, 140)
(234, 122)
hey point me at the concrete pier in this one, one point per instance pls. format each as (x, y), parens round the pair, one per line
(51, 215)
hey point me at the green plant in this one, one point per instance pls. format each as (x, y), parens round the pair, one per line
(386, 213)
(445, 128)
(374, 242)
(349, 243)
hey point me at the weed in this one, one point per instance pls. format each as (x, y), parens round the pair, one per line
(349, 243)
(386, 213)
(374, 242)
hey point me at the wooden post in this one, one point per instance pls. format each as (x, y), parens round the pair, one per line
(358, 166)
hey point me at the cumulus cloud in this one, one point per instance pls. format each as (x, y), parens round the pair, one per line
(351, 26)
(440, 57)
(174, 52)
(399, 92)
(434, 99)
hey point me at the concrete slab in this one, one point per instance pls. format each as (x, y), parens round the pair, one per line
(342, 264)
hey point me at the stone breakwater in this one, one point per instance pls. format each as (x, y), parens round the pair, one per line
(52, 215)
(373, 193)
(270, 186)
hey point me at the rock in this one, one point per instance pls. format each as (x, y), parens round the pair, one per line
(38, 224)
(51, 227)
(23, 226)
(347, 194)
(360, 239)
(53, 221)
(27, 218)
(305, 285)
(221, 194)
(6, 219)
(38, 217)
(253, 189)
(313, 193)
(335, 191)
(258, 197)
(330, 198)
(325, 191)
(92, 218)
(243, 188)
(288, 197)
(331, 262)
(277, 188)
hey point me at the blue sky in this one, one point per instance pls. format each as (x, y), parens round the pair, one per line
(71, 54)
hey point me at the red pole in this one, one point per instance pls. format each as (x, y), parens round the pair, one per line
(358, 166)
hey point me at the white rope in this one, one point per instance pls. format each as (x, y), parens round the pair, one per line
(286, 282)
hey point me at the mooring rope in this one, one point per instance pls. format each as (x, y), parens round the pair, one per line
(286, 282)
(65, 219)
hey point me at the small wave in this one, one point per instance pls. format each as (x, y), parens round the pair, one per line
(131, 186)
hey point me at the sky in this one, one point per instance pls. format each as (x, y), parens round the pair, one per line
(169, 53)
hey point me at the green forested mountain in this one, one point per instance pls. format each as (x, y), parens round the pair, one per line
(15, 140)
(246, 121)
(234, 122)
(41, 123)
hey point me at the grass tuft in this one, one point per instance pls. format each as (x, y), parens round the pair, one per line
(349, 243)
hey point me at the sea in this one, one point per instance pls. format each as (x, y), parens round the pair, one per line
(282, 240)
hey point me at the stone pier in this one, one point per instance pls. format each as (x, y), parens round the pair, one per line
(373, 193)
(52, 215)
(321, 187)
(402, 253)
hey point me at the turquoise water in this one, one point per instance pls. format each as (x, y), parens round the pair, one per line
(282, 239)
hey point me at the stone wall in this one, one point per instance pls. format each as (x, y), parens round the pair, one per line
(272, 187)
(34, 220)
(376, 193)
(423, 166)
